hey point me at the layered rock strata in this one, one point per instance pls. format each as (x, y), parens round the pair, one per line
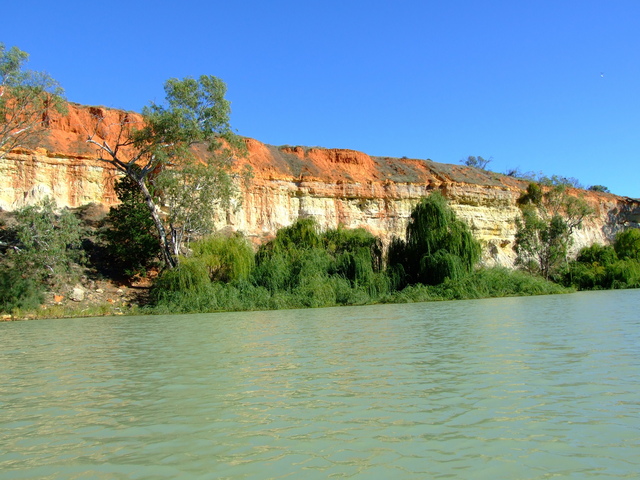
(333, 186)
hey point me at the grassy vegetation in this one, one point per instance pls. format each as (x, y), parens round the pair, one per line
(483, 283)
(303, 267)
(326, 291)
(600, 267)
(300, 268)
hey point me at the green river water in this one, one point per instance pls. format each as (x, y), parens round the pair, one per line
(512, 388)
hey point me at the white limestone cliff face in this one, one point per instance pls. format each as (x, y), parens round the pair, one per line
(28, 177)
(489, 211)
(333, 186)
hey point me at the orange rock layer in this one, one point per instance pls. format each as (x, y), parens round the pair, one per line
(334, 186)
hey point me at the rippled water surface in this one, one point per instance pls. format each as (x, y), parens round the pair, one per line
(518, 388)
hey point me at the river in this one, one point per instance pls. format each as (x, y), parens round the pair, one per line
(517, 388)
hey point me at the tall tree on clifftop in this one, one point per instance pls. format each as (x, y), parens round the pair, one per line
(195, 113)
(26, 100)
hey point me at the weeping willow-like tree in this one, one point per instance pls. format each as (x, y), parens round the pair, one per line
(437, 246)
(293, 255)
(227, 259)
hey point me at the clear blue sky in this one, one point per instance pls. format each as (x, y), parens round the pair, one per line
(546, 86)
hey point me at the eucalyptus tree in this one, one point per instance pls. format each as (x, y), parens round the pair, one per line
(195, 114)
(191, 194)
(544, 232)
(27, 99)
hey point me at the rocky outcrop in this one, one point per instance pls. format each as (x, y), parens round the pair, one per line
(333, 186)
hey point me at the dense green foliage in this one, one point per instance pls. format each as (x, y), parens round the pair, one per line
(44, 247)
(195, 113)
(599, 188)
(300, 267)
(303, 267)
(18, 291)
(544, 233)
(482, 283)
(227, 259)
(437, 246)
(130, 236)
(627, 245)
(48, 242)
(605, 267)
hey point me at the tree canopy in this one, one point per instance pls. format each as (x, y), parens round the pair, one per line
(195, 112)
(627, 244)
(544, 232)
(437, 245)
(26, 100)
(477, 162)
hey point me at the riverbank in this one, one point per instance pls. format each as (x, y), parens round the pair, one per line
(109, 298)
(94, 298)
(302, 267)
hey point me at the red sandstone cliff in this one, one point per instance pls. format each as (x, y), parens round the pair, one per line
(333, 186)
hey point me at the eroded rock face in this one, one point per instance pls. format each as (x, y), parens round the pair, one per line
(333, 186)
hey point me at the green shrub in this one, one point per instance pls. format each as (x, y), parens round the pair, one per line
(503, 282)
(187, 301)
(596, 253)
(627, 244)
(18, 291)
(599, 267)
(310, 264)
(273, 272)
(591, 270)
(437, 246)
(482, 283)
(44, 249)
(411, 294)
(282, 300)
(316, 291)
(355, 241)
(49, 242)
(625, 273)
(190, 275)
(227, 259)
(295, 255)
(303, 234)
(532, 196)
(130, 235)
(584, 276)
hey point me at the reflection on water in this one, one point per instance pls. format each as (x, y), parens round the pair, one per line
(507, 388)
